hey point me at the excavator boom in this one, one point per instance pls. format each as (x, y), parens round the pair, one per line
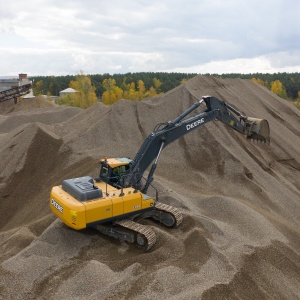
(166, 133)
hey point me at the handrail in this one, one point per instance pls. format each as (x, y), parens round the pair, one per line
(120, 184)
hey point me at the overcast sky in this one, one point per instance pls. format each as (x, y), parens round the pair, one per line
(45, 37)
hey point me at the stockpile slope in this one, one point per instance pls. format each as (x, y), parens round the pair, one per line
(9, 106)
(240, 201)
(30, 153)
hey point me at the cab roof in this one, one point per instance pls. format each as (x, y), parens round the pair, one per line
(116, 162)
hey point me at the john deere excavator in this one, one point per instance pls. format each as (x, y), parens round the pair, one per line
(116, 200)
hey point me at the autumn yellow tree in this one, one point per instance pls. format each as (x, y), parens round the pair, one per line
(69, 100)
(141, 90)
(278, 89)
(184, 80)
(86, 95)
(151, 92)
(259, 81)
(112, 92)
(156, 85)
(130, 92)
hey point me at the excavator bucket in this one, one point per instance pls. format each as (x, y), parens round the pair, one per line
(258, 129)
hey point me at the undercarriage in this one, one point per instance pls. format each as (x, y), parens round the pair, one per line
(143, 236)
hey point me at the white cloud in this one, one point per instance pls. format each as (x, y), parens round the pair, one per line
(259, 64)
(63, 37)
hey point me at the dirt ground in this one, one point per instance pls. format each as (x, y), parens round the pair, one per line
(240, 237)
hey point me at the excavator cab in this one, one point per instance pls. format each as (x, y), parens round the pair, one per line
(112, 169)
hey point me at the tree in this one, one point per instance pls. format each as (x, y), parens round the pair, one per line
(52, 85)
(297, 102)
(38, 88)
(151, 92)
(86, 95)
(259, 81)
(129, 92)
(157, 84)
(141, 90)
(278, 89)
(184, 80)
(112, 93)
(109, 84)
(69, 100)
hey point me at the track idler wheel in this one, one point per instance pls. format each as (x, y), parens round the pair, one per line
(167, 215)
(141, 241)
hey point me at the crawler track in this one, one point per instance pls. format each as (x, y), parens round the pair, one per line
(176, 214)
(145, 236)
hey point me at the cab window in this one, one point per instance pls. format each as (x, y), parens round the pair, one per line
(104, 172)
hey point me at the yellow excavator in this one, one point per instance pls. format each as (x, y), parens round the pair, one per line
(116, 200)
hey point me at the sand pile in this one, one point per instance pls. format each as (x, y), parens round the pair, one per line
(240, 238)
(9, 106)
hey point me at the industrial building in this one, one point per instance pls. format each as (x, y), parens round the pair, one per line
(8, 83)
(13, 88)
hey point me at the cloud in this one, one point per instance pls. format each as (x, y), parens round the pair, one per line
(63, 37)
(260, 64)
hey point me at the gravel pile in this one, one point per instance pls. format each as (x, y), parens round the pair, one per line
(240, 200)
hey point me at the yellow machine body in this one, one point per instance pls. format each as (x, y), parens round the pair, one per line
(113, 205)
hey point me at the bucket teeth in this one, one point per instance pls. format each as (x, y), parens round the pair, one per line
(259, 139)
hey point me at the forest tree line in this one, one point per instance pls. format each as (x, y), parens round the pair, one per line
(137, 86)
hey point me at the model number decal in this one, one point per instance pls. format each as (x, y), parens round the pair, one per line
(136, 206)
(57, 206)
(194, 124)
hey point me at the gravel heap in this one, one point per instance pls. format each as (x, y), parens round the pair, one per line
(240, 238)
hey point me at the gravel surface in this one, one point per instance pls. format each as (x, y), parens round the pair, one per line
(240, 237)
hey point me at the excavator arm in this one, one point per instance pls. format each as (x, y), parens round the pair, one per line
(166, 133)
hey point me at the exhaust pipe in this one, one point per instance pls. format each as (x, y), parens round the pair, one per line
(258, 129)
